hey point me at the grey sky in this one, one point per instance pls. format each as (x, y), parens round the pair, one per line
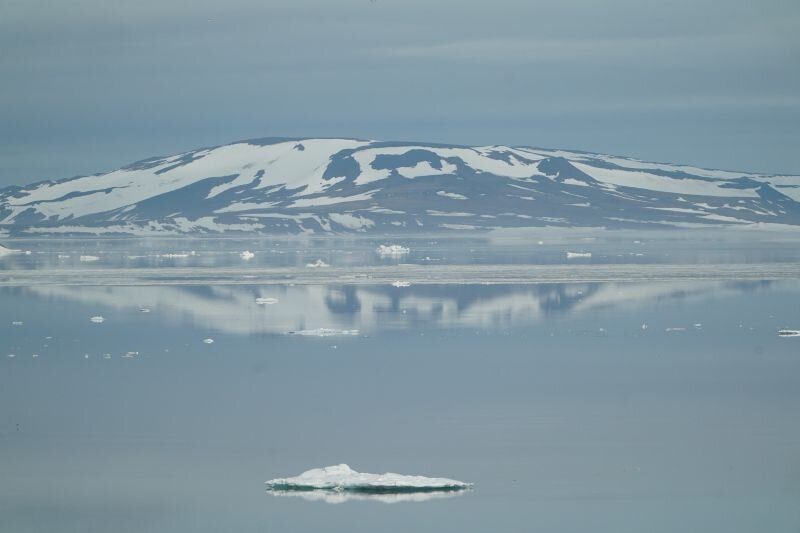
(90, 85)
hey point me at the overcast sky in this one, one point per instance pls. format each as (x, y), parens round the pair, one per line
(90, 85)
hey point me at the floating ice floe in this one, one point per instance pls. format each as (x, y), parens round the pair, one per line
(575, 255)
(389, 250)
(98, 319)
(144, 309)
(208, 341)
(789, 332)
(266, 301)
(324, 332)
(401, 284)
(247, 254)
(12, 355)
(174, 256)
(342, 478)
(89, 258)
(319, 263)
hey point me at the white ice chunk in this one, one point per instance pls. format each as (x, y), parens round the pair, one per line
(319, 263)
(573, 255)
(266, 301)
(208, 341)
(341, 478)
(89, 258)
(392, 250)
(247, 254)
(98, 319)
(401, 284)
(789, 332)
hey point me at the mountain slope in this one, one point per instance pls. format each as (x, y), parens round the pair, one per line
(348, 185)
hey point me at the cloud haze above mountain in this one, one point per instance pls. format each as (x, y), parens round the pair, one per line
(90, 85)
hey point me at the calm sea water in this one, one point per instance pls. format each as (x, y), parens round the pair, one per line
(668, 406)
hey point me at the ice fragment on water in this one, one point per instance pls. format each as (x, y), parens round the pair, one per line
(389, 250)
(340, 478)
(574, 255)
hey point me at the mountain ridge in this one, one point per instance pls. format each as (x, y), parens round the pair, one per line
(318, 185)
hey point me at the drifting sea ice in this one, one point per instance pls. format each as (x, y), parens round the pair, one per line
(247, 254)
(400, 284)
(789, 333)
(575, 255)
(319, 263)
(208, 341)
(391, 250)
(266, 301)
(98, 319)
(89, 258)
(341, 478)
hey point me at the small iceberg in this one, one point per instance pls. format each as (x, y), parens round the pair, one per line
(789, 332)
(144, 309)
(266, 301)
(324, 332)
(247, 254)
(319, 263)
(98, 319)
(342, 478)
(575, 255)
(89, 258)
(208, 341)
(401, 284)
(391, 250)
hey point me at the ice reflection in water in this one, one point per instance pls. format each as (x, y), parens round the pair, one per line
(338, 497)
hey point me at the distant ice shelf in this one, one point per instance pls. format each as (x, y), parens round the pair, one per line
(342, 478)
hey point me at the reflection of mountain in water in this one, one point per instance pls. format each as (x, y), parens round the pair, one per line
(233, 309)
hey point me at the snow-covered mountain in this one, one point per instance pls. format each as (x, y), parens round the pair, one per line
(276, 186)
